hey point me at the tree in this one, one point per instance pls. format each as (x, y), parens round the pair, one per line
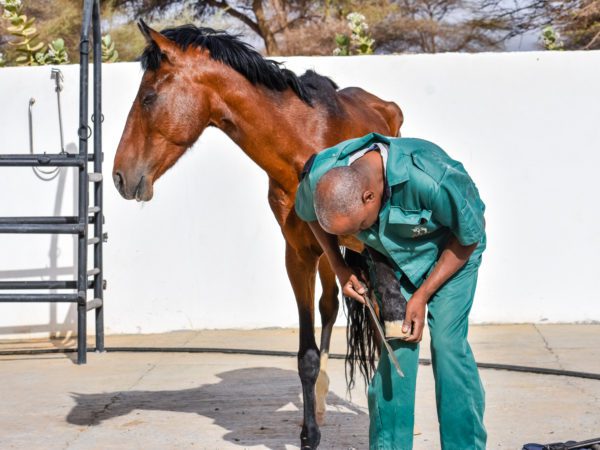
(431, 26)
(310, 27)
(66, 25)
(302, 27)
(578, 22)
(266, 18)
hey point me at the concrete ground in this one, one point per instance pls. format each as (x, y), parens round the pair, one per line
(219, 401)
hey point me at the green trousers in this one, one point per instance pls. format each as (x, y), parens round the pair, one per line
(458, 389)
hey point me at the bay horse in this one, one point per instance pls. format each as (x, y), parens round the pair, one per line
(198, 77)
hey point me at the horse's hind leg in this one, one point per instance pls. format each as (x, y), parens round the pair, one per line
(328, 307)
(301, 272)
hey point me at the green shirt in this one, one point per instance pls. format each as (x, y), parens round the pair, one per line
(431, 196)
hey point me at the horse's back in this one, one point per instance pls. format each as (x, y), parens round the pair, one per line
(382, 116)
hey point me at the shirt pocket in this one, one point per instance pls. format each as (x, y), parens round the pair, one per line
(409, 223)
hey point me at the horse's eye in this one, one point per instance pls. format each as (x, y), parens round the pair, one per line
(149, 99)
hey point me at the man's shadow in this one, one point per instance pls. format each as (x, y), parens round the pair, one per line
(258, 406)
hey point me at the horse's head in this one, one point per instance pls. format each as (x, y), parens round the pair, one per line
(166, 118)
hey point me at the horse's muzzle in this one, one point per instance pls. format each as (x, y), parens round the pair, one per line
(141, 191)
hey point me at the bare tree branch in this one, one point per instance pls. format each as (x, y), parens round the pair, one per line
(230, 10)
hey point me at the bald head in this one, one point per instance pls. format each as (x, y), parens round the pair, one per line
(339, 193)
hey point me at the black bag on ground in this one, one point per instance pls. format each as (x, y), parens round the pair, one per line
(590, 444)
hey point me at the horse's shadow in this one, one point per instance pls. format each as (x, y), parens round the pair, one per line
(257, 406)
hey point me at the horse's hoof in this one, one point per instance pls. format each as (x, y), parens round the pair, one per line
(310, 438)
(393, 329)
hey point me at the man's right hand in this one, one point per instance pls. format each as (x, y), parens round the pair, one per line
(351, 285)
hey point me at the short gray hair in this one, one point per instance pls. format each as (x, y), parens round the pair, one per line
(338, 193)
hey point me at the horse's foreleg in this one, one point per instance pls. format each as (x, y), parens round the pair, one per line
(328, 307)
(301, 271)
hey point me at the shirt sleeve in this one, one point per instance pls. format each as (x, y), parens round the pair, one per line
(458, 206)
(304, 203)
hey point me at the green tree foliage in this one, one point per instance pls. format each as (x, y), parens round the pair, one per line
(28, 39)
(57, 19)
(109, 53)
(551, 39)
(359, 42)
(63, 18)
(317, 27)
(30, 50)
(57, 53)
(578, 22)
(310, 27)
(342, 43)
(27, 44)
(431, 26)
(270, 20)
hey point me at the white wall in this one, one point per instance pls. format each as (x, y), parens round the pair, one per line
(207, 253)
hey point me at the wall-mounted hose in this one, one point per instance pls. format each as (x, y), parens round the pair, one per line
(48, 175)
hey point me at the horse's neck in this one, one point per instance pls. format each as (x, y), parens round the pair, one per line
(271, 130)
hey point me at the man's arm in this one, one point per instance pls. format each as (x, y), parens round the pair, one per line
(456, 205)
(453, 257)
(305, 209)
(351, 286)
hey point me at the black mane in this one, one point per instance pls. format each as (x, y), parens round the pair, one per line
(243, 58)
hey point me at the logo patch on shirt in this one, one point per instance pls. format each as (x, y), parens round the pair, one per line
(419, 230)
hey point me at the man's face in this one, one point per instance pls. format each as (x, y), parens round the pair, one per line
(364, 218)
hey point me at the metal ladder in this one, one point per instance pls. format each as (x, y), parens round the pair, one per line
(77, 225)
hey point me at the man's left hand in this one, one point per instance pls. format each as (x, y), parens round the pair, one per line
(415, 317)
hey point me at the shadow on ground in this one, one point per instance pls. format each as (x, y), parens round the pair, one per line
(255, 405)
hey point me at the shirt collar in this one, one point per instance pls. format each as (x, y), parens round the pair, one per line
(396, 170)
(363, 142)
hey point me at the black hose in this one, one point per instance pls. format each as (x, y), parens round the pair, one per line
(243, 351)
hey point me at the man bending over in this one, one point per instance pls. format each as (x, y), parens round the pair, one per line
(421, 219)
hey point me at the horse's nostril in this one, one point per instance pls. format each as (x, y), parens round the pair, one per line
(119, 181)
(139, 189)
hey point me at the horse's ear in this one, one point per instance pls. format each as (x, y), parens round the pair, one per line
(166, 45)
(145, 30)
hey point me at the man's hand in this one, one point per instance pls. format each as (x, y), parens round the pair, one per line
(351, 285)
(415, 317)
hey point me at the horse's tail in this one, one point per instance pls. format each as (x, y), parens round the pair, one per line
(360, 334)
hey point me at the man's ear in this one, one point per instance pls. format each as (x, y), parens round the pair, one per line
(167, 47)
(368, 196)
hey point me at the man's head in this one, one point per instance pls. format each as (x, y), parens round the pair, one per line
(344, 201)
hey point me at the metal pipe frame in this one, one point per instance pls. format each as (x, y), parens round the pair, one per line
(40, 298)
(77, 225)
(98, 185)
(42, 160)
(47, 284)
(43, 220)
(40, 228)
